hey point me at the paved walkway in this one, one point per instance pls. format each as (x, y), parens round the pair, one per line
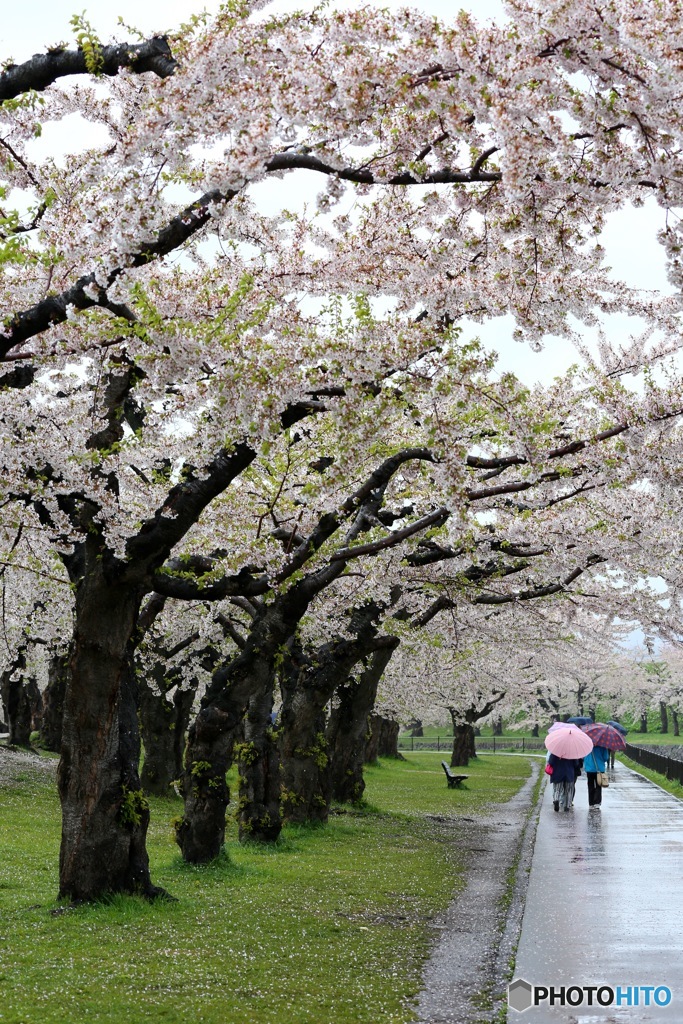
(605, 901)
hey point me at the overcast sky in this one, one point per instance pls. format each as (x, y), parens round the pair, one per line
(630, 241)
(28, 27)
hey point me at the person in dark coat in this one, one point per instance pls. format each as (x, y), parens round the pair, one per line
(578, 765)
(563, 779)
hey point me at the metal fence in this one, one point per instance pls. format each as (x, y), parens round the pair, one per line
(494, 743)
(671, 767)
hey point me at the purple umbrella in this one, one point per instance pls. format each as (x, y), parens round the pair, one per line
(570, 743)
(605, 736)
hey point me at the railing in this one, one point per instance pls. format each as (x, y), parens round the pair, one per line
(446, 743)
(671, 767)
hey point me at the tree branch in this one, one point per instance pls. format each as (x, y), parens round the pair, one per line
(543, 591)
(188, 583)
(42, 69)
(438, 517)
(370, 492)
(361, 175)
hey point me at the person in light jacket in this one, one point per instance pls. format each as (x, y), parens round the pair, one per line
(593, 763)
(563, 779)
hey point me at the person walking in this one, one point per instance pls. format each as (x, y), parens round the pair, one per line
(563, 779)
(593, 763)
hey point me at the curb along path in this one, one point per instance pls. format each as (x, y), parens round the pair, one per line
(467, 970)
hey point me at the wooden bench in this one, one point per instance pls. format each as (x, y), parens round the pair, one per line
(451, 779)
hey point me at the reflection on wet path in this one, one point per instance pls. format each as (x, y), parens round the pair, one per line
(605, 900)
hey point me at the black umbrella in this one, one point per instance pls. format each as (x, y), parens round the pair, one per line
(618, 726)
(581, 720)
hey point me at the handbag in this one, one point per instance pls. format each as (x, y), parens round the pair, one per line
(549, 769)
(602, 779)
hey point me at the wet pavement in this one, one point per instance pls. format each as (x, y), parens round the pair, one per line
(605, 903)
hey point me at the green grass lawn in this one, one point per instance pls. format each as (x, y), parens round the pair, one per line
(331, 925)
(653, 739)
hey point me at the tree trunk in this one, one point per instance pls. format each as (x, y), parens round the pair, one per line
(580, 692)
(163, 724)
(416, 728)
(460, 756)
(498, 726)
(372, 744)
(303, 751)
(534, 731)
(53, 703)
(17, 700)
(36, 699)
(383, 740)
(212, 743)
(308, 684)
(200, 833)
(251, 675)
(643, 723)
(674, 719)
(471, 741)
(104, 813)
(663, 717)
(347, 730)
(258, 762)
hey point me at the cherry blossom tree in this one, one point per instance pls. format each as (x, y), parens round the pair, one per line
(162, 333)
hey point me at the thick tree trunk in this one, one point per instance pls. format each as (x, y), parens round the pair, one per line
(643, 723)
(471, 741)
(416, 728)
(258, 762)
(347, 736)
(534, 731)
(372, 743)
(53, 703)
(304, 752)
(663, 718)
(248, 677)
(498, 726)
(347, 730)
(674, 719)
(104, 813)
(200, 833)
(307, 688)
(163, 724)
(211, 746)
(460, 756)
(17, 700)
(383, 740)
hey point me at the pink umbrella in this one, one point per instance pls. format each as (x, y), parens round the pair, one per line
(570, 743)
(560, 725)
